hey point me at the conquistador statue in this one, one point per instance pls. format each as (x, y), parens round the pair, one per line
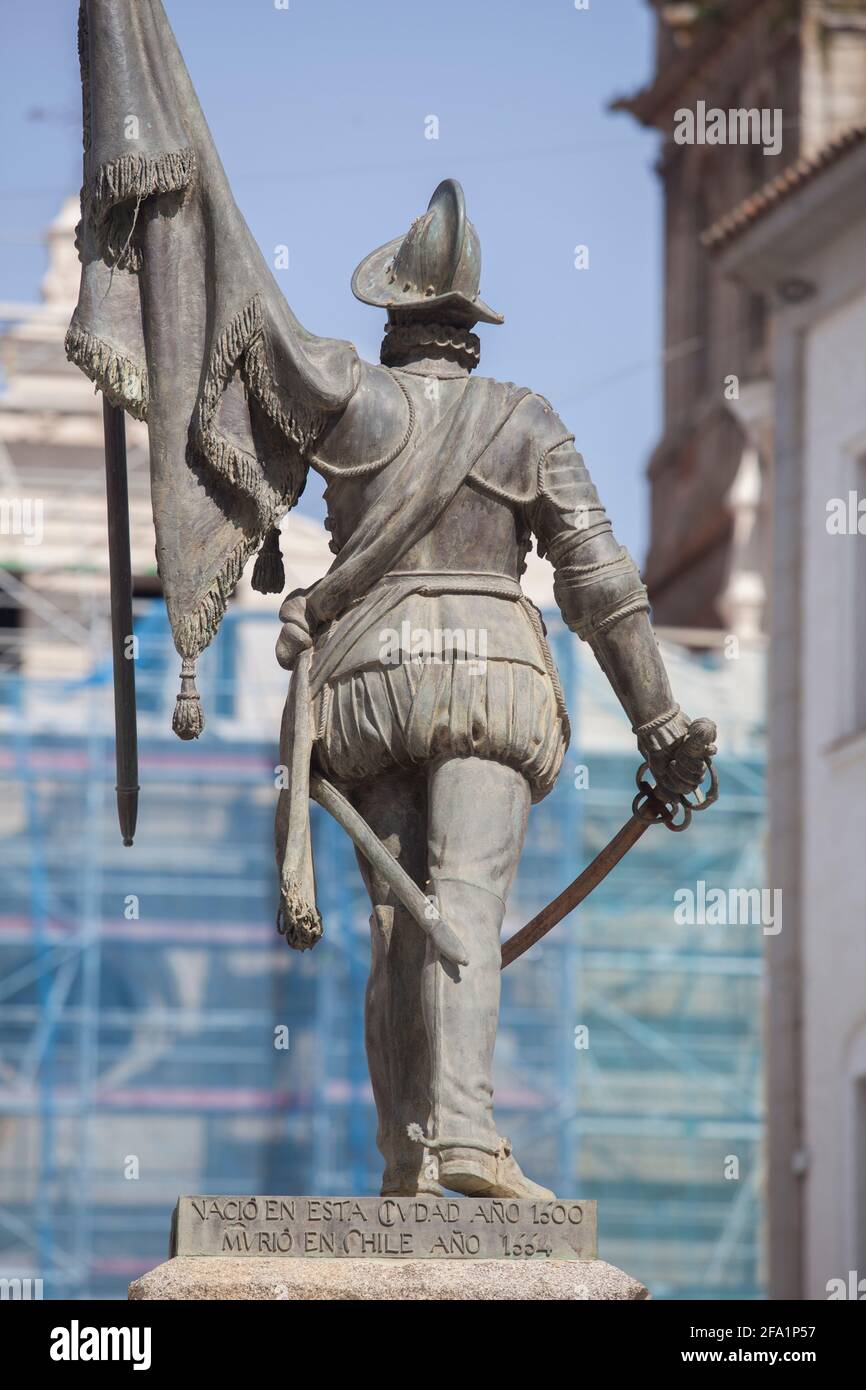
(423, 687)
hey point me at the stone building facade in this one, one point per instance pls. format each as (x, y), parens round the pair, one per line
(802, 64)
(802, 242)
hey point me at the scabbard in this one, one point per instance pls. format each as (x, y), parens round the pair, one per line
(424, 912)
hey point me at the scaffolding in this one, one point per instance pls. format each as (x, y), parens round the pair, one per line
(157, 1037)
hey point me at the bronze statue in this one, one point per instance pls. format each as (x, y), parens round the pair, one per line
(425, 710)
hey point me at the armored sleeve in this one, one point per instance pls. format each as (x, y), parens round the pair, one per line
(599, 590)
(596, 582)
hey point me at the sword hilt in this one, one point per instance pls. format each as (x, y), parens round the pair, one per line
(694, 753)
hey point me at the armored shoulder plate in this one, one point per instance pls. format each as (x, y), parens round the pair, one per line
(371, 431)
(510, 468)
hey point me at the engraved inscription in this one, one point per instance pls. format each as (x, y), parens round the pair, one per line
(385, 1228)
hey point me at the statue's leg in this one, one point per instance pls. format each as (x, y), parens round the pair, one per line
(477, 821)
(394, 805)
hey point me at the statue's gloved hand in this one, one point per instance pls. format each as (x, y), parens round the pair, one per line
(295, 636)
(677, 771)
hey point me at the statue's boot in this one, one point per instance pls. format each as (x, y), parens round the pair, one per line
(397, 1050)
(461, 1012)
(478, 1173)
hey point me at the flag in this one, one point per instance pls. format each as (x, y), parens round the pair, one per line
(180, 322)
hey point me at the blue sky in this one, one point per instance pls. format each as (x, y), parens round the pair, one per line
(319, 114)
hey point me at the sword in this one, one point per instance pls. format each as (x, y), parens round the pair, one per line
(651, 806)
(120, 569)
(417, 904)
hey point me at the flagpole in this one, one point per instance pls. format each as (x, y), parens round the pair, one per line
(120, 567)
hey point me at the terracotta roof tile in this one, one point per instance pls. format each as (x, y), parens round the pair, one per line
(790, 180)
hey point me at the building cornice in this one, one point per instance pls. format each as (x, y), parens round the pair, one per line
(652, 101)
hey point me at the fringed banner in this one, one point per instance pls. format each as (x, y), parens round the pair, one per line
(181, 323)
(123, 381)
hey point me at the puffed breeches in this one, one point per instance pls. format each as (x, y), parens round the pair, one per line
(406, 716)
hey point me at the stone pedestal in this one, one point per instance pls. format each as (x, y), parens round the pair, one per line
(397, 1248)
(305, 1280)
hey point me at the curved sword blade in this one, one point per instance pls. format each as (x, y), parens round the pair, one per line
(575, 893)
